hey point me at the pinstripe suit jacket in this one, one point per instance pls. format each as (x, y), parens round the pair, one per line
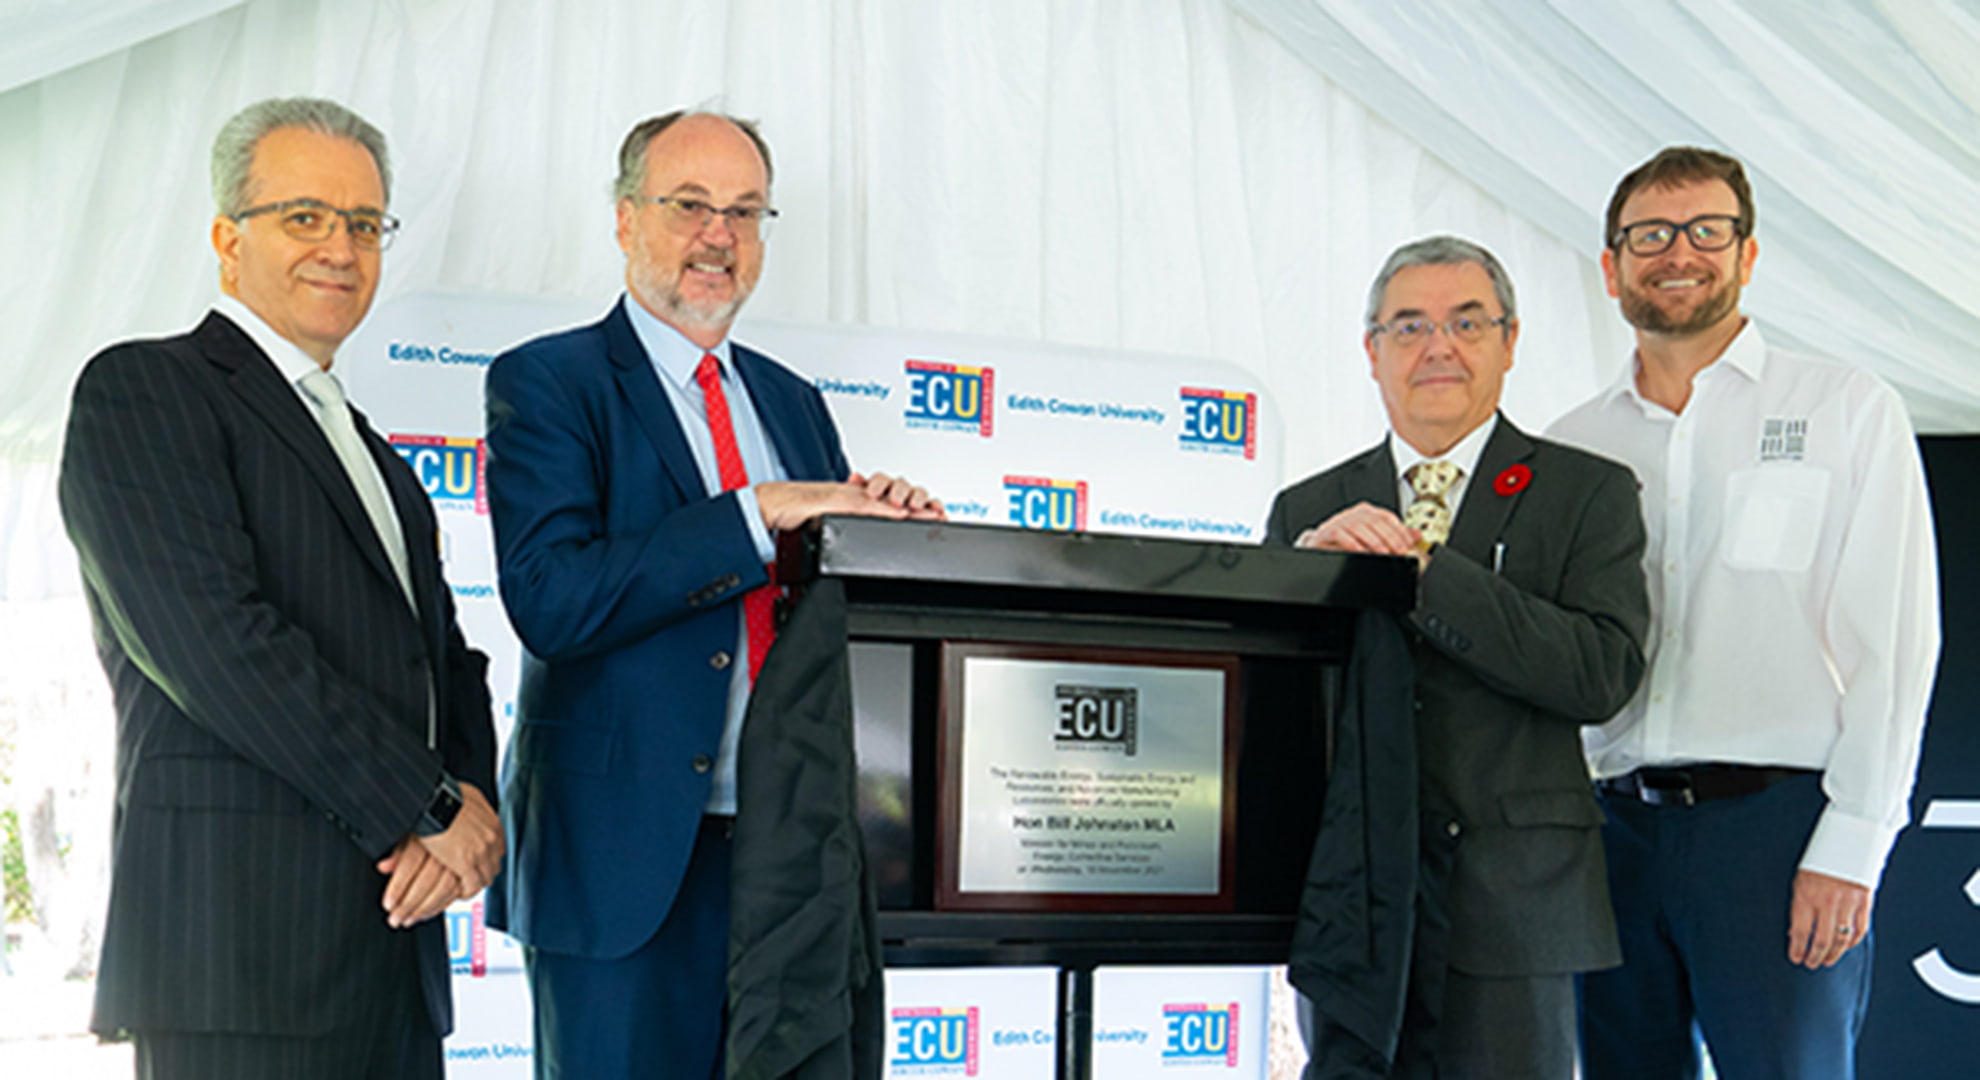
(272, 690)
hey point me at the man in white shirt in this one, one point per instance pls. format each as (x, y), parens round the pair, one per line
(1758, 778)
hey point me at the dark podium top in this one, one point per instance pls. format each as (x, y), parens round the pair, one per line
(871, 549)
(1287, 615)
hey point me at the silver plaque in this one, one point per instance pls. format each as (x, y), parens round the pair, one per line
(1091, 778)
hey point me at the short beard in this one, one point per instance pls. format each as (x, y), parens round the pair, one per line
(666, 300)
(1644, 314)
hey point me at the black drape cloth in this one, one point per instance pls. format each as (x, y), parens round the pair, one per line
(1370, 944)
(806, 995)
(805, 988)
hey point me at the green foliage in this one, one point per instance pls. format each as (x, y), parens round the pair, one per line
(13, 871)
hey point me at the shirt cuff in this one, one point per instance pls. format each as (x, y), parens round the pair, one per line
(766, 548)
(1849, 847)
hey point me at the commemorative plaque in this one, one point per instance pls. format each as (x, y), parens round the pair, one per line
(1078, 778)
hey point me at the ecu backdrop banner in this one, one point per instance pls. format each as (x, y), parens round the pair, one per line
(1018, 434)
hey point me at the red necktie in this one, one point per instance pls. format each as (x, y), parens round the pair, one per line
(759, 605)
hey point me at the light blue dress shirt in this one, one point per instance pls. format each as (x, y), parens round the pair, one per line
(674, 360)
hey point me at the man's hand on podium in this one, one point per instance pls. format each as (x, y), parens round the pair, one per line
(788, 504)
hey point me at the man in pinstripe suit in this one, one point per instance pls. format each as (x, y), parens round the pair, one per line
(303, 735)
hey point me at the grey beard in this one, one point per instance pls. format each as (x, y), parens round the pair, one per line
(682, 313)
(714, 317)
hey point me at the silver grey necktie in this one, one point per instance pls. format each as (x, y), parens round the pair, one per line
(324, 389)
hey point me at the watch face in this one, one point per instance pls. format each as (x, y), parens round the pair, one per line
(440, 812)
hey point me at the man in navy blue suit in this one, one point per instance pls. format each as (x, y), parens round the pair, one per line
(638, 471)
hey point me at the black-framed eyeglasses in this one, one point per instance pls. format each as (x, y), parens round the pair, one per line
(1416, 330)
(1654, 236)
(690, 216)
(313, 221)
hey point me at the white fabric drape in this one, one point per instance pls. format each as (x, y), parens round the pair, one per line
(1216, 177)
(1858, 121)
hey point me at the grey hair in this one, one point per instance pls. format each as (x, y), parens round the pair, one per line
(1443, 251)
(632, 152)
(233, 148)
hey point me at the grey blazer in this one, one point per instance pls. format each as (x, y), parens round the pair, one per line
(1509, 665)
(272, 688)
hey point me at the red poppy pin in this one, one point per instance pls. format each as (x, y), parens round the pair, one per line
(1513, 480)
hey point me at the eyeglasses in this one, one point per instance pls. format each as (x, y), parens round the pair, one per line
(1654, 236)
(313, 222)
(1416, 330)
(690, 216)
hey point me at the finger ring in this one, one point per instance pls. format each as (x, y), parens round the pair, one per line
(1845, 930)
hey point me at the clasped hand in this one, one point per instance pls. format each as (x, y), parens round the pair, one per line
(426, 873)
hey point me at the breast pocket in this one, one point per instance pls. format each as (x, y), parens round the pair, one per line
(1774, 517)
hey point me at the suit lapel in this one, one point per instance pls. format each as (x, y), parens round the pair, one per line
(783, 418)
(638, 384)
(1374, 479)
(253, 378)
(1482, 518)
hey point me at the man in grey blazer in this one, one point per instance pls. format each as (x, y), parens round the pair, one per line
(1529, 623)
(303, 737)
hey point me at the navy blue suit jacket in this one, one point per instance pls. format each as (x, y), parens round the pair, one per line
(621, 576)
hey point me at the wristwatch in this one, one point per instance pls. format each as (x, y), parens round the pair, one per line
(441, 809)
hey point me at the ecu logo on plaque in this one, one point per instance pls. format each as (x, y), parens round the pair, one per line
(1095, 718)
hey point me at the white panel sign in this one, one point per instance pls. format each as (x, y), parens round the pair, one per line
(1047, 436)
(1180, 1022)
(989, 1023)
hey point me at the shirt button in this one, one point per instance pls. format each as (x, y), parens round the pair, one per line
(1658, 698)
(1453, 828)
(1670, 635)
(720, 661)
(702, 763)
(1671, 567)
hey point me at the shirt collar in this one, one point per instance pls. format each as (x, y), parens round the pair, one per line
(674, 357)
(1464, 454)
(288, 359)
(1746, 354)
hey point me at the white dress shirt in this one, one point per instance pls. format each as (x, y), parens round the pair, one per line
(1793, 585)
(674, 360)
